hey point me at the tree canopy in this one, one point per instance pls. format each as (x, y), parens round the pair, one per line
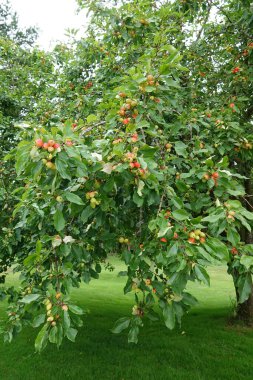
(140, 145)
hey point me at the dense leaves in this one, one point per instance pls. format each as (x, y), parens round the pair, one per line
(145, 151)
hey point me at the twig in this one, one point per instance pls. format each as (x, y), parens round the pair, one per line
(204, 23)
(91, 127)
(161, 203)
(246, 200)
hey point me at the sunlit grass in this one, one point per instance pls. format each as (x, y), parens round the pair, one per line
(204, 348)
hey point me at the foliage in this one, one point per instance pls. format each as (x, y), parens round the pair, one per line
(150, 163)
(24, 77)
(10, 29)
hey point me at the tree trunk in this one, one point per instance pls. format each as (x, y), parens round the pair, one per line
(244, 310)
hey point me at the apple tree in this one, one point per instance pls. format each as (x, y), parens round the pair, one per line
(137, 168)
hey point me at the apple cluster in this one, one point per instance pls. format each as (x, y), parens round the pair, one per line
(49, 145)
(52, 319)
(91, 196)
(127, 111)
(150, 81)
(123, 240)
(196, 236)
(214, 176)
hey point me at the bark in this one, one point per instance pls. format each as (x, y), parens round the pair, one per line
(245, 310)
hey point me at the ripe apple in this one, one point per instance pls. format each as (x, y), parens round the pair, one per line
(50, 165)
(68, 142)
(45, 146)
(134, 137)
(234, 251)
(49, 306)
(39, 143)
(206, 177)
(215, 175)
(122, 112)
(126, 121)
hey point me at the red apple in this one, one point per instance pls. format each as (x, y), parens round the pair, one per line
(39, 143)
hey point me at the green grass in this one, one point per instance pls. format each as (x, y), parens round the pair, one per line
(209, 349)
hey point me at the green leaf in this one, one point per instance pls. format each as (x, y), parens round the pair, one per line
(59, 221)
(53, 335)
(71, 334)
(247, 261)
(201, 274)
(62, 168)
(169, 316)
(243, 221)
(188, 299)
(42, 338)
(248, 215)
(245, 287)
(38, 320)
(31, 259)
(66, 320)
(73, 198)
(164, 230)
(91, 118)
(217, 249)
(180, 214)
(76, 309)
(120, 325)
(181, 148)
(233, 236)
(133, 335)
(172, 250)
(213, 218)
(141, 185)
(137, 199)
(204, 254)
(87, 212)
(38, 247)
(30, 298)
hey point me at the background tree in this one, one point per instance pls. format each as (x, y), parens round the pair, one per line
(24, 77)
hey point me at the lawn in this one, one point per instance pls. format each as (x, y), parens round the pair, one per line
(209, 348)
